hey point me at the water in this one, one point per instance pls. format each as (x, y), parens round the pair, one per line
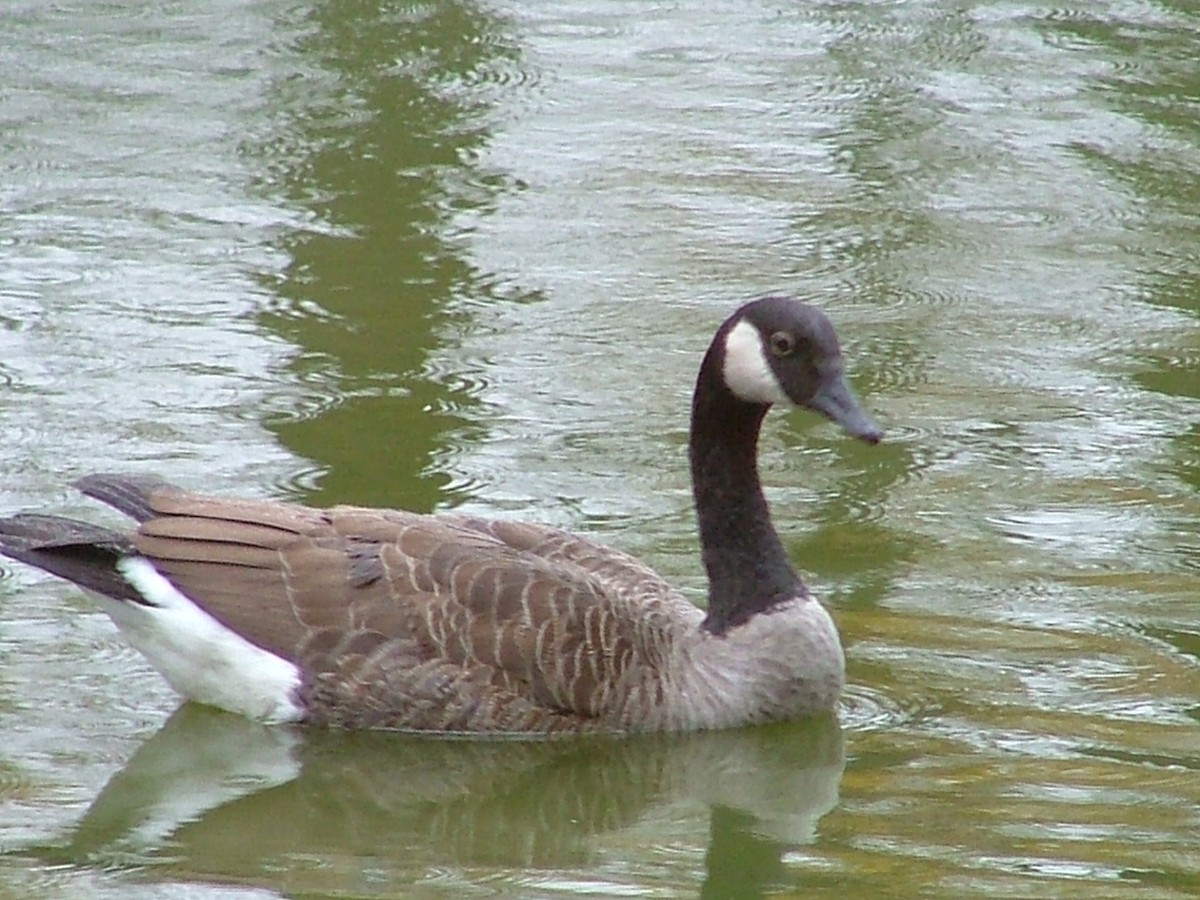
(449, 255)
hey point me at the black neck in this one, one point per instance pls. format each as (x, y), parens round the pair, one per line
(748, 569)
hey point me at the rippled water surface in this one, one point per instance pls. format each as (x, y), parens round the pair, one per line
(457, 255)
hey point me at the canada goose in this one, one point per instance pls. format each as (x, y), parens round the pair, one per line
(367, 618)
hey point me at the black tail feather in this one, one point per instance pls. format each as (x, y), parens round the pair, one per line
(77, 551)
(128, 493)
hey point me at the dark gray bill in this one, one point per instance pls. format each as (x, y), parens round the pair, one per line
(836, 400)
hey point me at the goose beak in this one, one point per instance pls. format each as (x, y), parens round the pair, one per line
(835, 399)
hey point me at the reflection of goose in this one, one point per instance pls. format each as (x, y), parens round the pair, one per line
(215, 797)
(371, 618)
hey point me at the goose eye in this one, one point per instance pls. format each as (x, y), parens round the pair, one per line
(782, 343)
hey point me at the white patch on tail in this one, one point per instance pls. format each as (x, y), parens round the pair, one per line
(746, 369)
(200, 657)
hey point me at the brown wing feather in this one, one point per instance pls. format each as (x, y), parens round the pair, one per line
(411, 621)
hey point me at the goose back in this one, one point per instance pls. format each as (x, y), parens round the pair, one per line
(446, 623)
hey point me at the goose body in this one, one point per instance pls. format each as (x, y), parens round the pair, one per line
(367, 618)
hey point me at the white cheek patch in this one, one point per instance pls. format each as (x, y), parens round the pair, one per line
(747, 371)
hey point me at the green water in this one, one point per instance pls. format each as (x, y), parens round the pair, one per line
(447, 255)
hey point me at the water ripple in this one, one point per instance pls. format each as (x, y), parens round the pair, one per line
(505, 70)
(300, 483)
(16, 785)
(490, 62)
(897, 363)
(865, 708)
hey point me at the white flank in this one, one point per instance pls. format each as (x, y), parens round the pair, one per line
(201, 658)
(747, 371)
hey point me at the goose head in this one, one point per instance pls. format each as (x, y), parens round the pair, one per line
(780, 350)
(772, 351)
